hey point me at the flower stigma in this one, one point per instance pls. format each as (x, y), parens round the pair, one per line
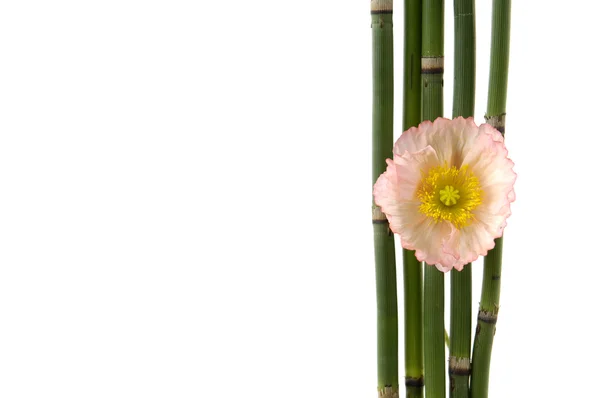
(449, 194)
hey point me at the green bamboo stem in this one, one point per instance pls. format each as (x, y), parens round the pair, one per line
(486, 322)
(412, 268)
(413, 324)
(433, 320)
(492, 267)
(432, 74)
(498, 83)
(463, 103)
(432, 59)
(459, 364)
(460, 332)
(385, 260)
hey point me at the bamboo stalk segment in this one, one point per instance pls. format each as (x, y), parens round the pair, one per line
(492, 267)
(463, 104)
(385, 259)
(412, 268)
(432, 75)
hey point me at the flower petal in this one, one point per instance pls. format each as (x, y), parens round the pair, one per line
(450, 139)
(468, 243)
(410, 168)
(385, 190)
(489, 162)
(427, 237)
(395, 190)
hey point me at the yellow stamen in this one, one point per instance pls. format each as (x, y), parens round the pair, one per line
(449, 194)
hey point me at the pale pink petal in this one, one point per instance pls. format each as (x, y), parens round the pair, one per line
(487, 155)
(385, 191)
(395, 190)
(413, 140)
(392, 200)
(468, 243)
(450, 139)
(410, 168)
(493, 222)
(404, 221)
(427, 237)
(488, 129)
(489, 162)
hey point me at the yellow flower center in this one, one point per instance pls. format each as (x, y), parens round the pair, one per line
(449, 194)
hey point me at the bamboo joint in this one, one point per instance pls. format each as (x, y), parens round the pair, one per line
(431, 65)
(459, 366)
(488, 317)
(382, 6)
(496, 121)
(389, 392)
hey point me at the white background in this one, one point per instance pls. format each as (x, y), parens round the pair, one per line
(185, 199)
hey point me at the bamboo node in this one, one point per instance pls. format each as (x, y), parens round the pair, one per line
(389, 392)
(431, 65)
(377, 215)
(414, 382)
(496, 121)
(488, 317)
(382, 6)
(459, 366)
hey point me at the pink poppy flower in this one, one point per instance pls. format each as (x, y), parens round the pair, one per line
(448, 191)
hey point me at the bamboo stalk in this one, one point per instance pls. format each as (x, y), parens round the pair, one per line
(459, 363)
(432, 74)
(486, 322)
(492, 267)
(385, 260)
(433, 320)
(412, 268)
(463, 103)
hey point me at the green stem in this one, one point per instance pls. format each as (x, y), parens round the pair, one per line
(385, 260)
(460, 332)
(412, 268)
(459, 364)
(432, 59)
(498, 84)
(463, 103)
(413, 324)
(432, 75)
(433, 319)
(486, 322)
(492, 267)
